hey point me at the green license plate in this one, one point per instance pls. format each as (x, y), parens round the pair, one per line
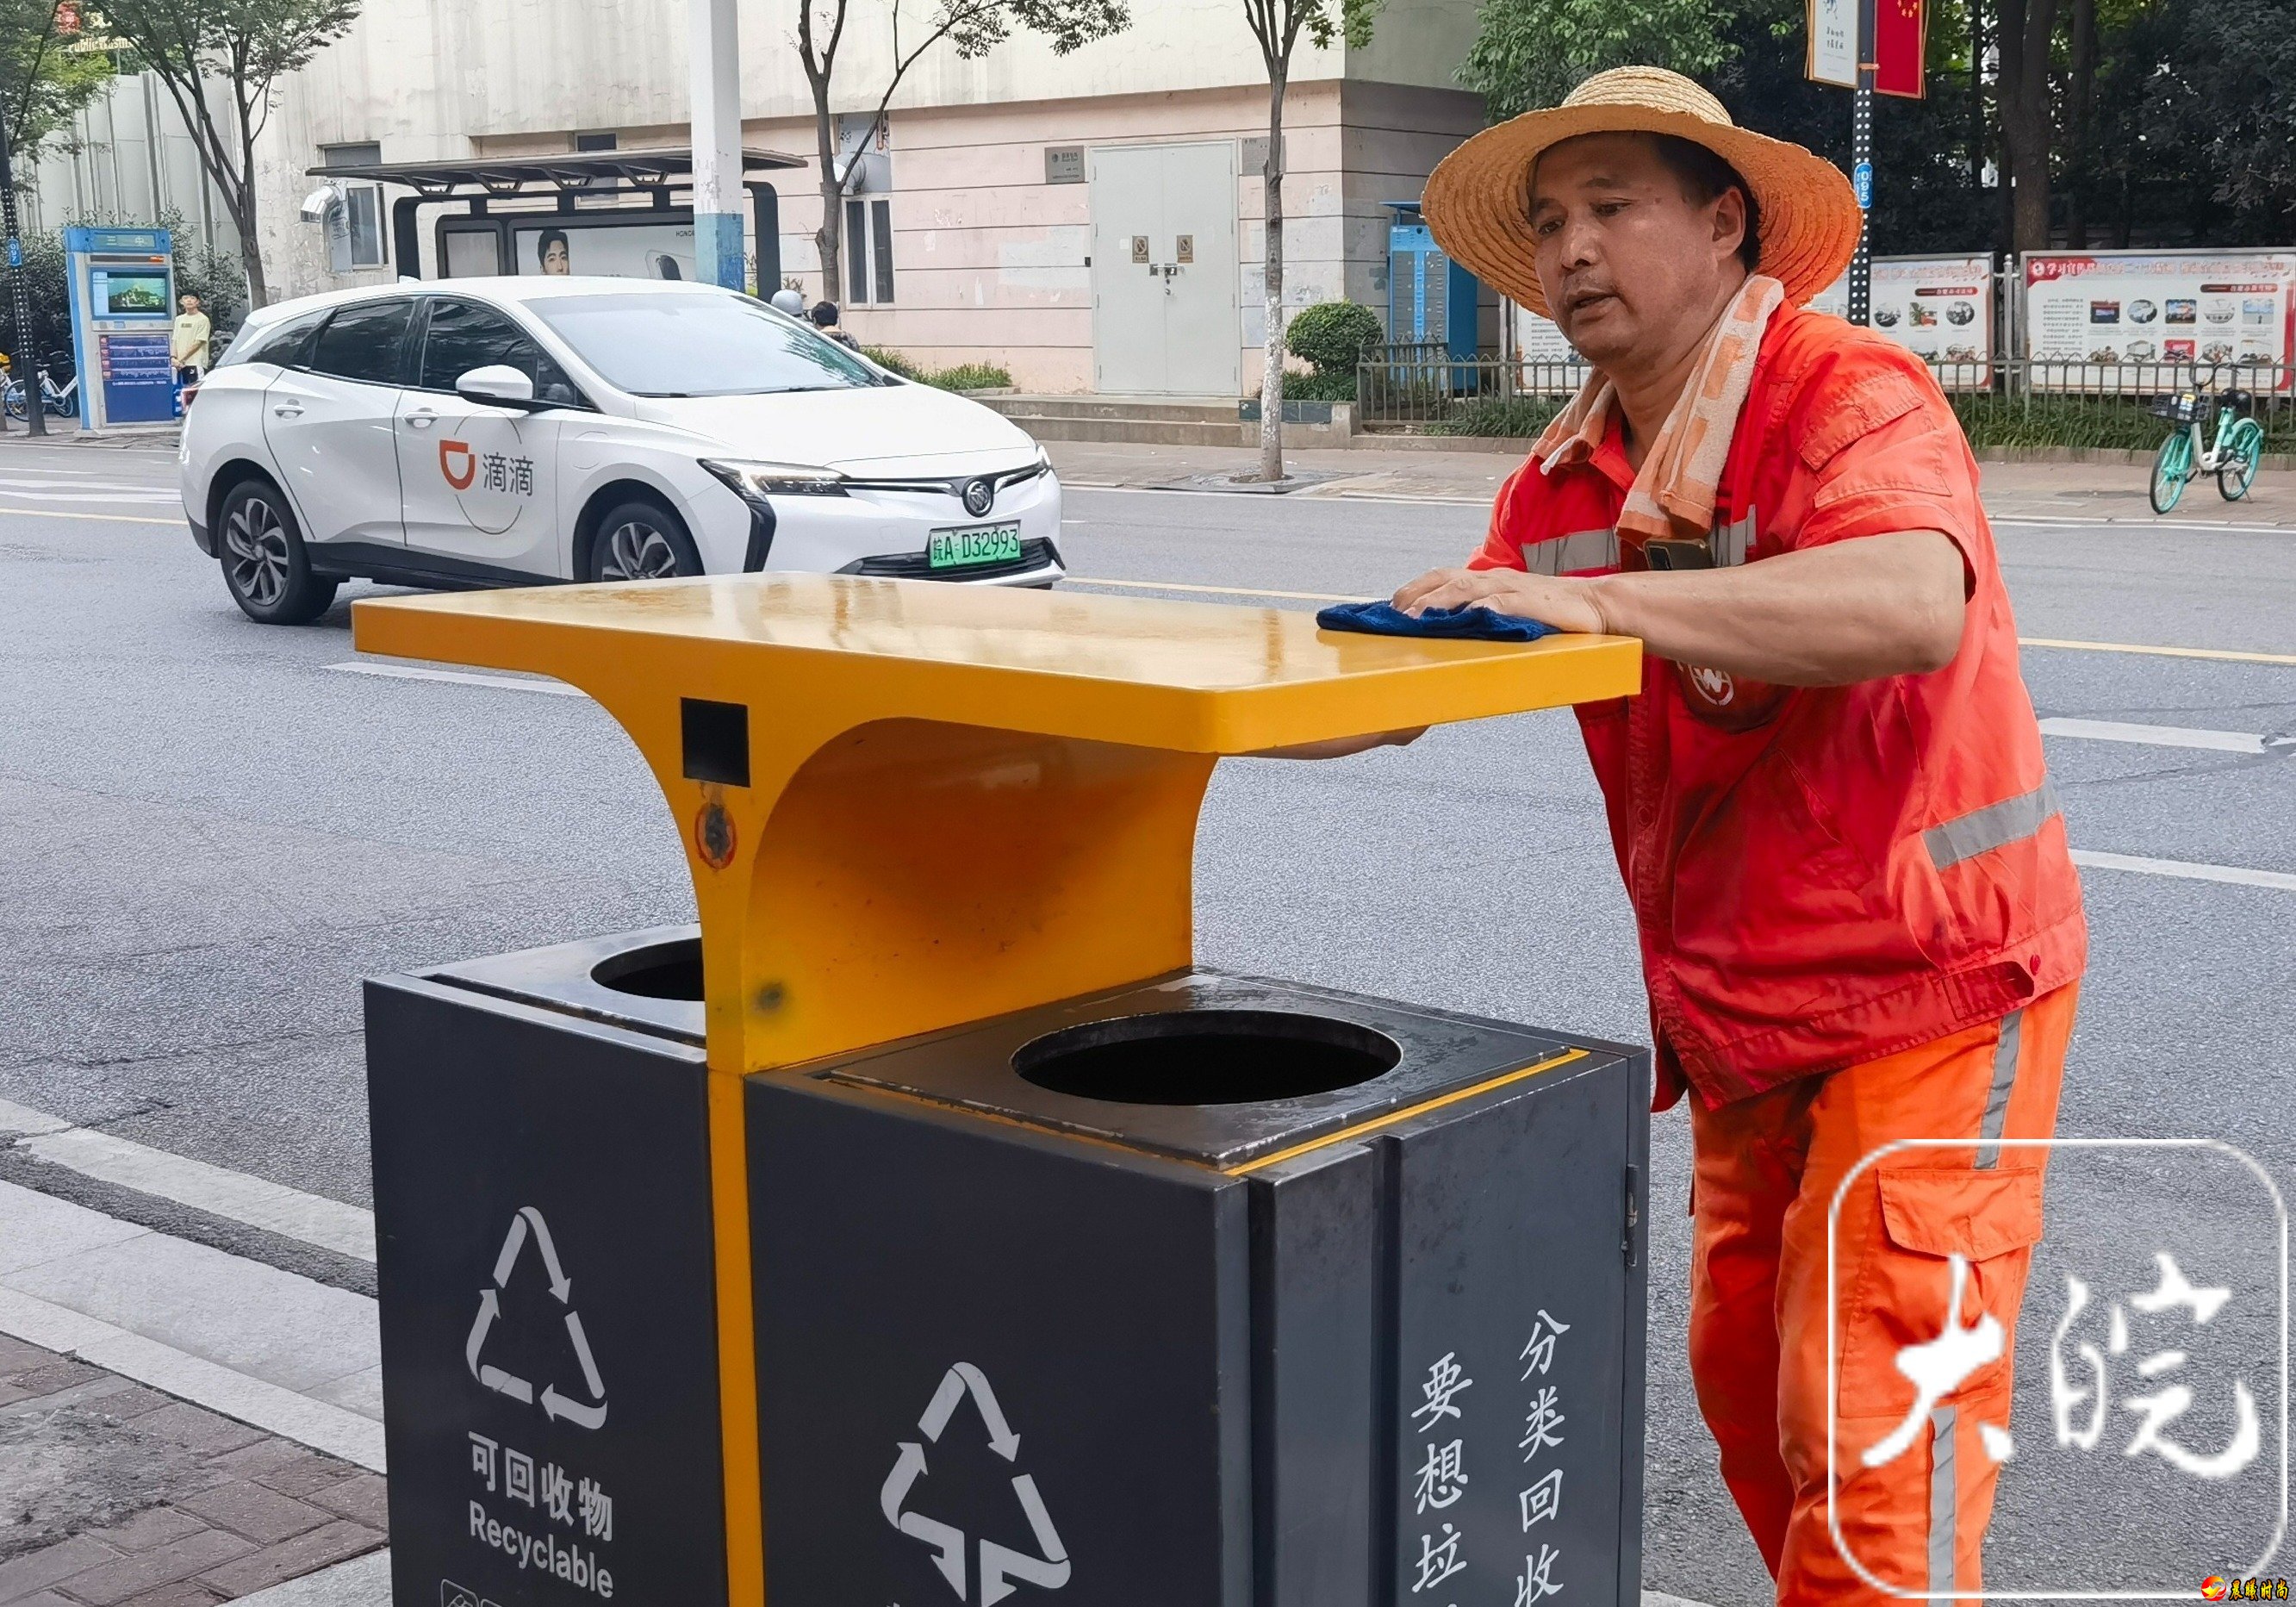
(983, 544)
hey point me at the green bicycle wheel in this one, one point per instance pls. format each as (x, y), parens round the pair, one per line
(2170, 470)
(2242, 450)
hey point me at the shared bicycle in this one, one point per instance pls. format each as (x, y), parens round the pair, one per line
(62, 401)
(2232, 458)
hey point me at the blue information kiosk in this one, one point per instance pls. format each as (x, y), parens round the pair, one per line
(121, 285)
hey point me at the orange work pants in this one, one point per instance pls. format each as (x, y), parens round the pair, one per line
(1913, 1471)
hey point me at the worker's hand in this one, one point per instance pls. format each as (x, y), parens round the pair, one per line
(1566, 604)
(1341, 746)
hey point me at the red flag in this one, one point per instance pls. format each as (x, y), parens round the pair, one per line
(1898, 27)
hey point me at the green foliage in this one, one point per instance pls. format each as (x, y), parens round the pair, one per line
(972, 376)
(1530, 53)
(964, 376)
(892, 361)
(247, 45)
(977, 27)
(43, 83)
(1489, 416)
(1336, 385)
(1332, 335)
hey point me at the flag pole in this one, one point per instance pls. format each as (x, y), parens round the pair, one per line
(1861, 167)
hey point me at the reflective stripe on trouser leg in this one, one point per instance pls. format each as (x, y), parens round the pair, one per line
(1996, 1097)
(1944, 1504)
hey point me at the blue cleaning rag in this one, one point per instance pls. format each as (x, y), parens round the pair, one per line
(1386, 619)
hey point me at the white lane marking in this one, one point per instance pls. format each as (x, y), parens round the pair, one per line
(2185, 869)
(2157, 736)
(348, 1230)
(460, 678)
(2139, 522)
(236, 1336)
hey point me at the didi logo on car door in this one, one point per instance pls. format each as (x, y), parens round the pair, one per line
(490, 470)
(458, 463)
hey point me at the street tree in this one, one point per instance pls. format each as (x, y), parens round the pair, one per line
(975, 27)
(1528, 54)
(1278, 26)
(46, 78)
(222, 63)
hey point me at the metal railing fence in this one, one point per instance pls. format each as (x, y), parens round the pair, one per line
(2003, 402)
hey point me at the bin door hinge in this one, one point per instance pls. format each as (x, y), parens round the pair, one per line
(1633, 1211)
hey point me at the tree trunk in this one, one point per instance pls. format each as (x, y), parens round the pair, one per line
(830, 236)
(2080, 93)
(1271, 378)
(239, 200)
(2026, 27)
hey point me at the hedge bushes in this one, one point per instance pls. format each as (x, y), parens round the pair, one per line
(1331, 336)
(964, 376)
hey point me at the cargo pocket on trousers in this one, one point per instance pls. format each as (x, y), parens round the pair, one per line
(1904, 1295)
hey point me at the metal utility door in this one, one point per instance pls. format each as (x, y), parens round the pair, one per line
(1164, 270)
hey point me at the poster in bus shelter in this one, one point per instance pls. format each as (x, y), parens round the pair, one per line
(1938, 308)
(2086, 314)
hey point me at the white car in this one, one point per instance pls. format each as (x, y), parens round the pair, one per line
(506, 432)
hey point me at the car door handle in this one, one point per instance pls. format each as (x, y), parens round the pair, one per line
(423, 419)
(287, 411)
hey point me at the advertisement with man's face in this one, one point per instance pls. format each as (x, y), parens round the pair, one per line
(630, 251)
(2094, 310)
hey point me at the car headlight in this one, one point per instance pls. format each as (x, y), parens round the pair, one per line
(1043, 460)
(753, 482)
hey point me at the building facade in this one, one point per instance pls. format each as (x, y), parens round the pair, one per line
(1092, 222)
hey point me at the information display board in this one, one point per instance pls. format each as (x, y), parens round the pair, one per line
(2091, 311)
(120, 285)
(1941, 308)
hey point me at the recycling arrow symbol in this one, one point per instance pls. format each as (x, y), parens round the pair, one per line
(999, 1565)
(555, 1405)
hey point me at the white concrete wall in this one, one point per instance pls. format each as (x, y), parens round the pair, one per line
(990, 260)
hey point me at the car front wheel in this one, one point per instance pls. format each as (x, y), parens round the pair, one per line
(265, 564)
(640, 540)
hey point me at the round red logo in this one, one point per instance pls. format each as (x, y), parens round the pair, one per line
(2212, 1588)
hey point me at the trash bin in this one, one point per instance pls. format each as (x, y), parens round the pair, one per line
(1217, 1291)
(963, 1222)
(543, 1254)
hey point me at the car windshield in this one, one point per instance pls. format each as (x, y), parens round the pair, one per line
(682, 345)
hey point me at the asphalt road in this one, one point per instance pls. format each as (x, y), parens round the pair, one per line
(214, 832)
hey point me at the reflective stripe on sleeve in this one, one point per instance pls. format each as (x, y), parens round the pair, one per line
(1995, 825)
(1579, 550)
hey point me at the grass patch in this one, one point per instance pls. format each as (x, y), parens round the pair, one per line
(964, 376)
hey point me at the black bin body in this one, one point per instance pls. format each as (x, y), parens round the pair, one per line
(1017, 1342)
(541, 1172)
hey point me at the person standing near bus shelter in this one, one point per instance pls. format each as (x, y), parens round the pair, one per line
(1859, 918)
(188, 342)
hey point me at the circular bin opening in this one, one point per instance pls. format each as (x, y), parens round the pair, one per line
(658, 971)
(1206, 1057)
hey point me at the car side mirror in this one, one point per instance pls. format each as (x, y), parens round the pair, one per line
(497, 385)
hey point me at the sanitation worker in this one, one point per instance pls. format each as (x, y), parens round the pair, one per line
(1858, 918)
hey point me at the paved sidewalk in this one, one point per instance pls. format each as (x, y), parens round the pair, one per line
(114, 1495)
(2072, 492)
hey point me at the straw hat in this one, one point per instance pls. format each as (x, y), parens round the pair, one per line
(1478, 199)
